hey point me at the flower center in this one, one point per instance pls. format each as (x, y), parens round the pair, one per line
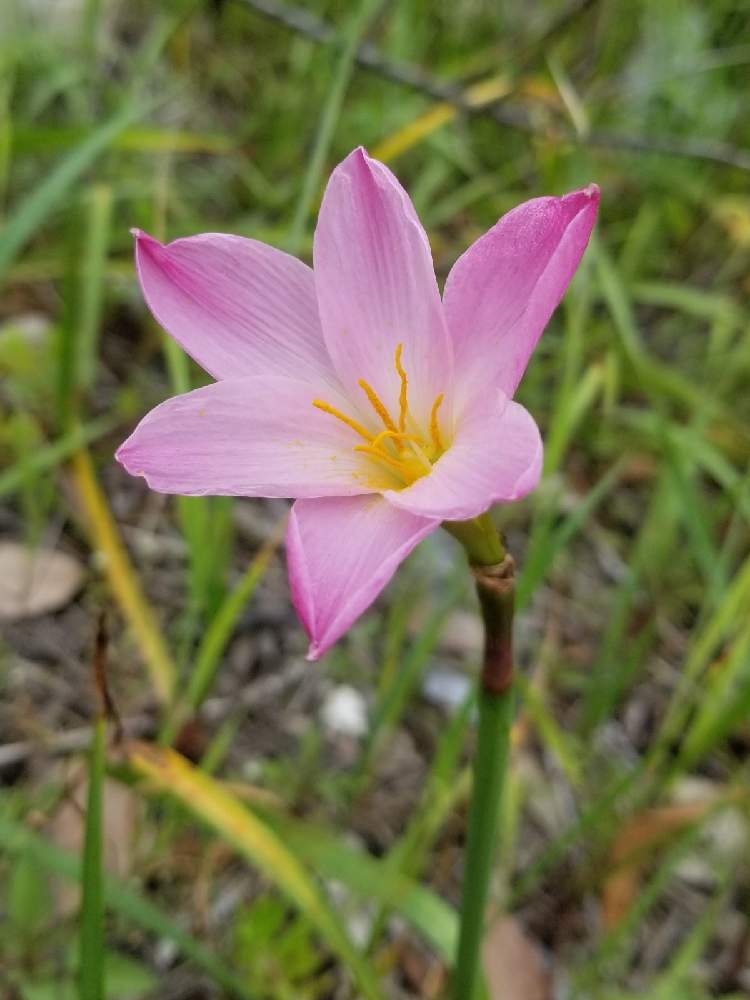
(401, 448)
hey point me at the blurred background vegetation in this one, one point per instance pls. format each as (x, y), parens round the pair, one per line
(303, 836)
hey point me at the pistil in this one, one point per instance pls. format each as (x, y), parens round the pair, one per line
(408, 455)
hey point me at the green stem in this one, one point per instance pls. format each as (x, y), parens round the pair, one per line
(493, 571)
(495, 717)
(480, 539)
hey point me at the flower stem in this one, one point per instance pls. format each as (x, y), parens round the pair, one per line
(495, 715)
(479, 538)
(495, 587)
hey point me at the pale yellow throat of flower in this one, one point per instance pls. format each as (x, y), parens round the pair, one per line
(406, 454)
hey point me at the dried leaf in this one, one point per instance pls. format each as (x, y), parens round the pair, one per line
(514, 964)
(631, 850)
(35, 581)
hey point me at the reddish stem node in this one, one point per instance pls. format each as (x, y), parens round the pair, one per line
(496, 590)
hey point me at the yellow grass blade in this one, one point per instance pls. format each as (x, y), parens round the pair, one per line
(122, 577)
(207, 799)
(412, 134)
(138, 139)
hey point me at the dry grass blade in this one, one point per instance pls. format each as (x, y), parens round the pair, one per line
(476, 96)
(632, 848)
(122, 577)
(251, 837)
(415, 78)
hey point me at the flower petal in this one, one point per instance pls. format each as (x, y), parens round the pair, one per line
(238, 307)
(247, 437)
(495, 457)
(376, 288)
(341, 552)
(502, 291)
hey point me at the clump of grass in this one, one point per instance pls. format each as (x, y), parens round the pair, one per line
(634, 596)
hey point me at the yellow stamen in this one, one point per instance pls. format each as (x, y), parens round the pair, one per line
(381, 456)
(355, 426)
(402, 399)
(396, 436)
(434, 429)
(377, 405)
(410, 456)
(414, 444)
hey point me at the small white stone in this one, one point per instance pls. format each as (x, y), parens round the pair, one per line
(447, 688)
(34, 328)
(165, 953)
(344, 712)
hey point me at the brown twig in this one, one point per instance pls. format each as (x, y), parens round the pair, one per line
(72, 741)
(107, 708)
(369, 57)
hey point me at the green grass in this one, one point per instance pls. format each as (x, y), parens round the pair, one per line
(91, 964)
(633, 555)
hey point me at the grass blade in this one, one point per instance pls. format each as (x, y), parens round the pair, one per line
(35, 208)
(442, 113)
(17, 839)
(139, 139)
(355, 30)
(122, 577)
(722, 624)
(650, 374)
(255, 840)
(220, 630)
(99, 217)
(393, 699)
(548, 540)
(45, 458)
(374, 880)
(724, 705)
(91, 954)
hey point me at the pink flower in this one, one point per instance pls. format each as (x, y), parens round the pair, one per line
(353, 388)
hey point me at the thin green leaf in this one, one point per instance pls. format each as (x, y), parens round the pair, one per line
(91, 983)
(47, 457)
(33, 210)
(219, 632)
(19, 840)
(355, 29)
(548, 540)
(371, 879)
(140, 139)
(206, 798)
(98, 223)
